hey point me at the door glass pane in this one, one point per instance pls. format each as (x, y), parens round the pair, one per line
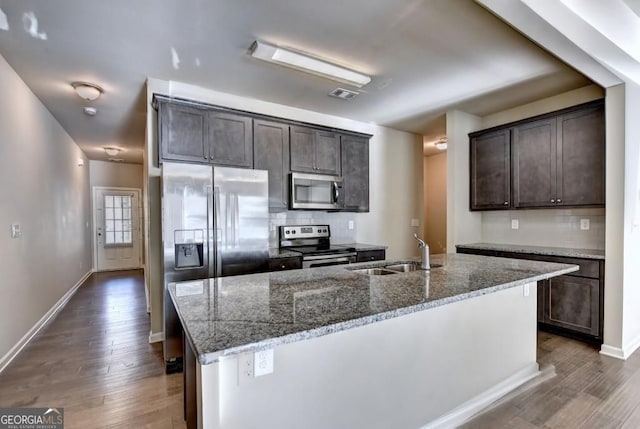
(117, 220)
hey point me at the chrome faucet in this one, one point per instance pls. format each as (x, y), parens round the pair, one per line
(424, 247)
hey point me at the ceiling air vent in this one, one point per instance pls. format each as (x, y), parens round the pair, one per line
(343, 94)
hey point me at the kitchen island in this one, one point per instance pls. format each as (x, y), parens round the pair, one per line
(357, 350)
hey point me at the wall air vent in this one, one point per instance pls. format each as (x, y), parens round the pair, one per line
(343, 94)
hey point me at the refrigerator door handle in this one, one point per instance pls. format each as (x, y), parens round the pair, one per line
(218, 236)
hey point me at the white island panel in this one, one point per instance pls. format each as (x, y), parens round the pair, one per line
(430, 368)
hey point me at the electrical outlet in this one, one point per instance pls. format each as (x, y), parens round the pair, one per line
(585, 224)
(263, 362)
(245, 368)
(350, 224)
(415, 222)
(515, 224)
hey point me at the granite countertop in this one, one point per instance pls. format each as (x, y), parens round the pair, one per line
(275, 253)
(231, 315)
(537, 250)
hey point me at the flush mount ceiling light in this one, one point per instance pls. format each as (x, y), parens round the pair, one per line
(112, 151)
(87, 91)
(441, 144)
(308, 63)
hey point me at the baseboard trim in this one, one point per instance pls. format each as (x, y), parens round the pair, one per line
(156, 337)
(464, 412)
(15, 350)
(614, 352)
(621, 353)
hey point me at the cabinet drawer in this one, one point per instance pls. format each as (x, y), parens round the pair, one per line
(589, 268)
(371, 255)
(281, 264)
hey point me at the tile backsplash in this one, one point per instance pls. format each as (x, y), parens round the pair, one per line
(555, 228)
(338, 223)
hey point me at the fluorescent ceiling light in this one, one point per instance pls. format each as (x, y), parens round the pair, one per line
(307, 63)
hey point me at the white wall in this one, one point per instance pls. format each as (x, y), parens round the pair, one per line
(463, 226)
(615, 227)
(43, 189)
(114, 174)
(395, 166)
(631, 293)
(545, 105)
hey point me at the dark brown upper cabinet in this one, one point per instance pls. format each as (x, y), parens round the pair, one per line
(556, 160)
(230, 139)
(189, 131)
(271, 152)
(534, 164)
(315, 151)
(193, 133)
(182, 132)
(490, 171)
(581, 158)
(355, 173)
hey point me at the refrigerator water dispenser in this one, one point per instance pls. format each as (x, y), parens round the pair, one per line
(189, 249)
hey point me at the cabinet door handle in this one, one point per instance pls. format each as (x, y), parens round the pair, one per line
(553, 201)
(558, 200)
(506, 203)
(283, 267)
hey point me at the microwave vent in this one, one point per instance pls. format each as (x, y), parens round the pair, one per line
(343, 94)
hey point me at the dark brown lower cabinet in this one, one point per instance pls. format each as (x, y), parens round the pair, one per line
(570, 305)
(282, 264)
(370, 255)
(571, 302)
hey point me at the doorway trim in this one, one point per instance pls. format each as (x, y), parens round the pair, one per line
(138, 232)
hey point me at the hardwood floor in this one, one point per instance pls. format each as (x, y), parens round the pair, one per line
(589, 391)
(94, 360)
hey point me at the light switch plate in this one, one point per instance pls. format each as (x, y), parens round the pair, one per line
(350, 224)
(16, 230)
(585, 224)
(515, 224)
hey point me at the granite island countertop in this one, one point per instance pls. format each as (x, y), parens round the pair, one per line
(537, 250)
(230, 315)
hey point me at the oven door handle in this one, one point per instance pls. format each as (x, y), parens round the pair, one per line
(337, 258)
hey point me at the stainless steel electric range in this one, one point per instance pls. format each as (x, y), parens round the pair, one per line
(314, 243)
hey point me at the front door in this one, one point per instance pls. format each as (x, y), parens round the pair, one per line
(117, 228)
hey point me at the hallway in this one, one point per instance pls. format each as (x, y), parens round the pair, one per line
(95, 361)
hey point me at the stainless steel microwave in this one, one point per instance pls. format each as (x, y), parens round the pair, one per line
(315, 192)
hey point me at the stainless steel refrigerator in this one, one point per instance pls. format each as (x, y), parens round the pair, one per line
(215, 222)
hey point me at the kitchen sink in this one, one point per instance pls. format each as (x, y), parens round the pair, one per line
(408, 267)
(374, 271)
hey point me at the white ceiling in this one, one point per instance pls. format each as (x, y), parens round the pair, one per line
(425, 56)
